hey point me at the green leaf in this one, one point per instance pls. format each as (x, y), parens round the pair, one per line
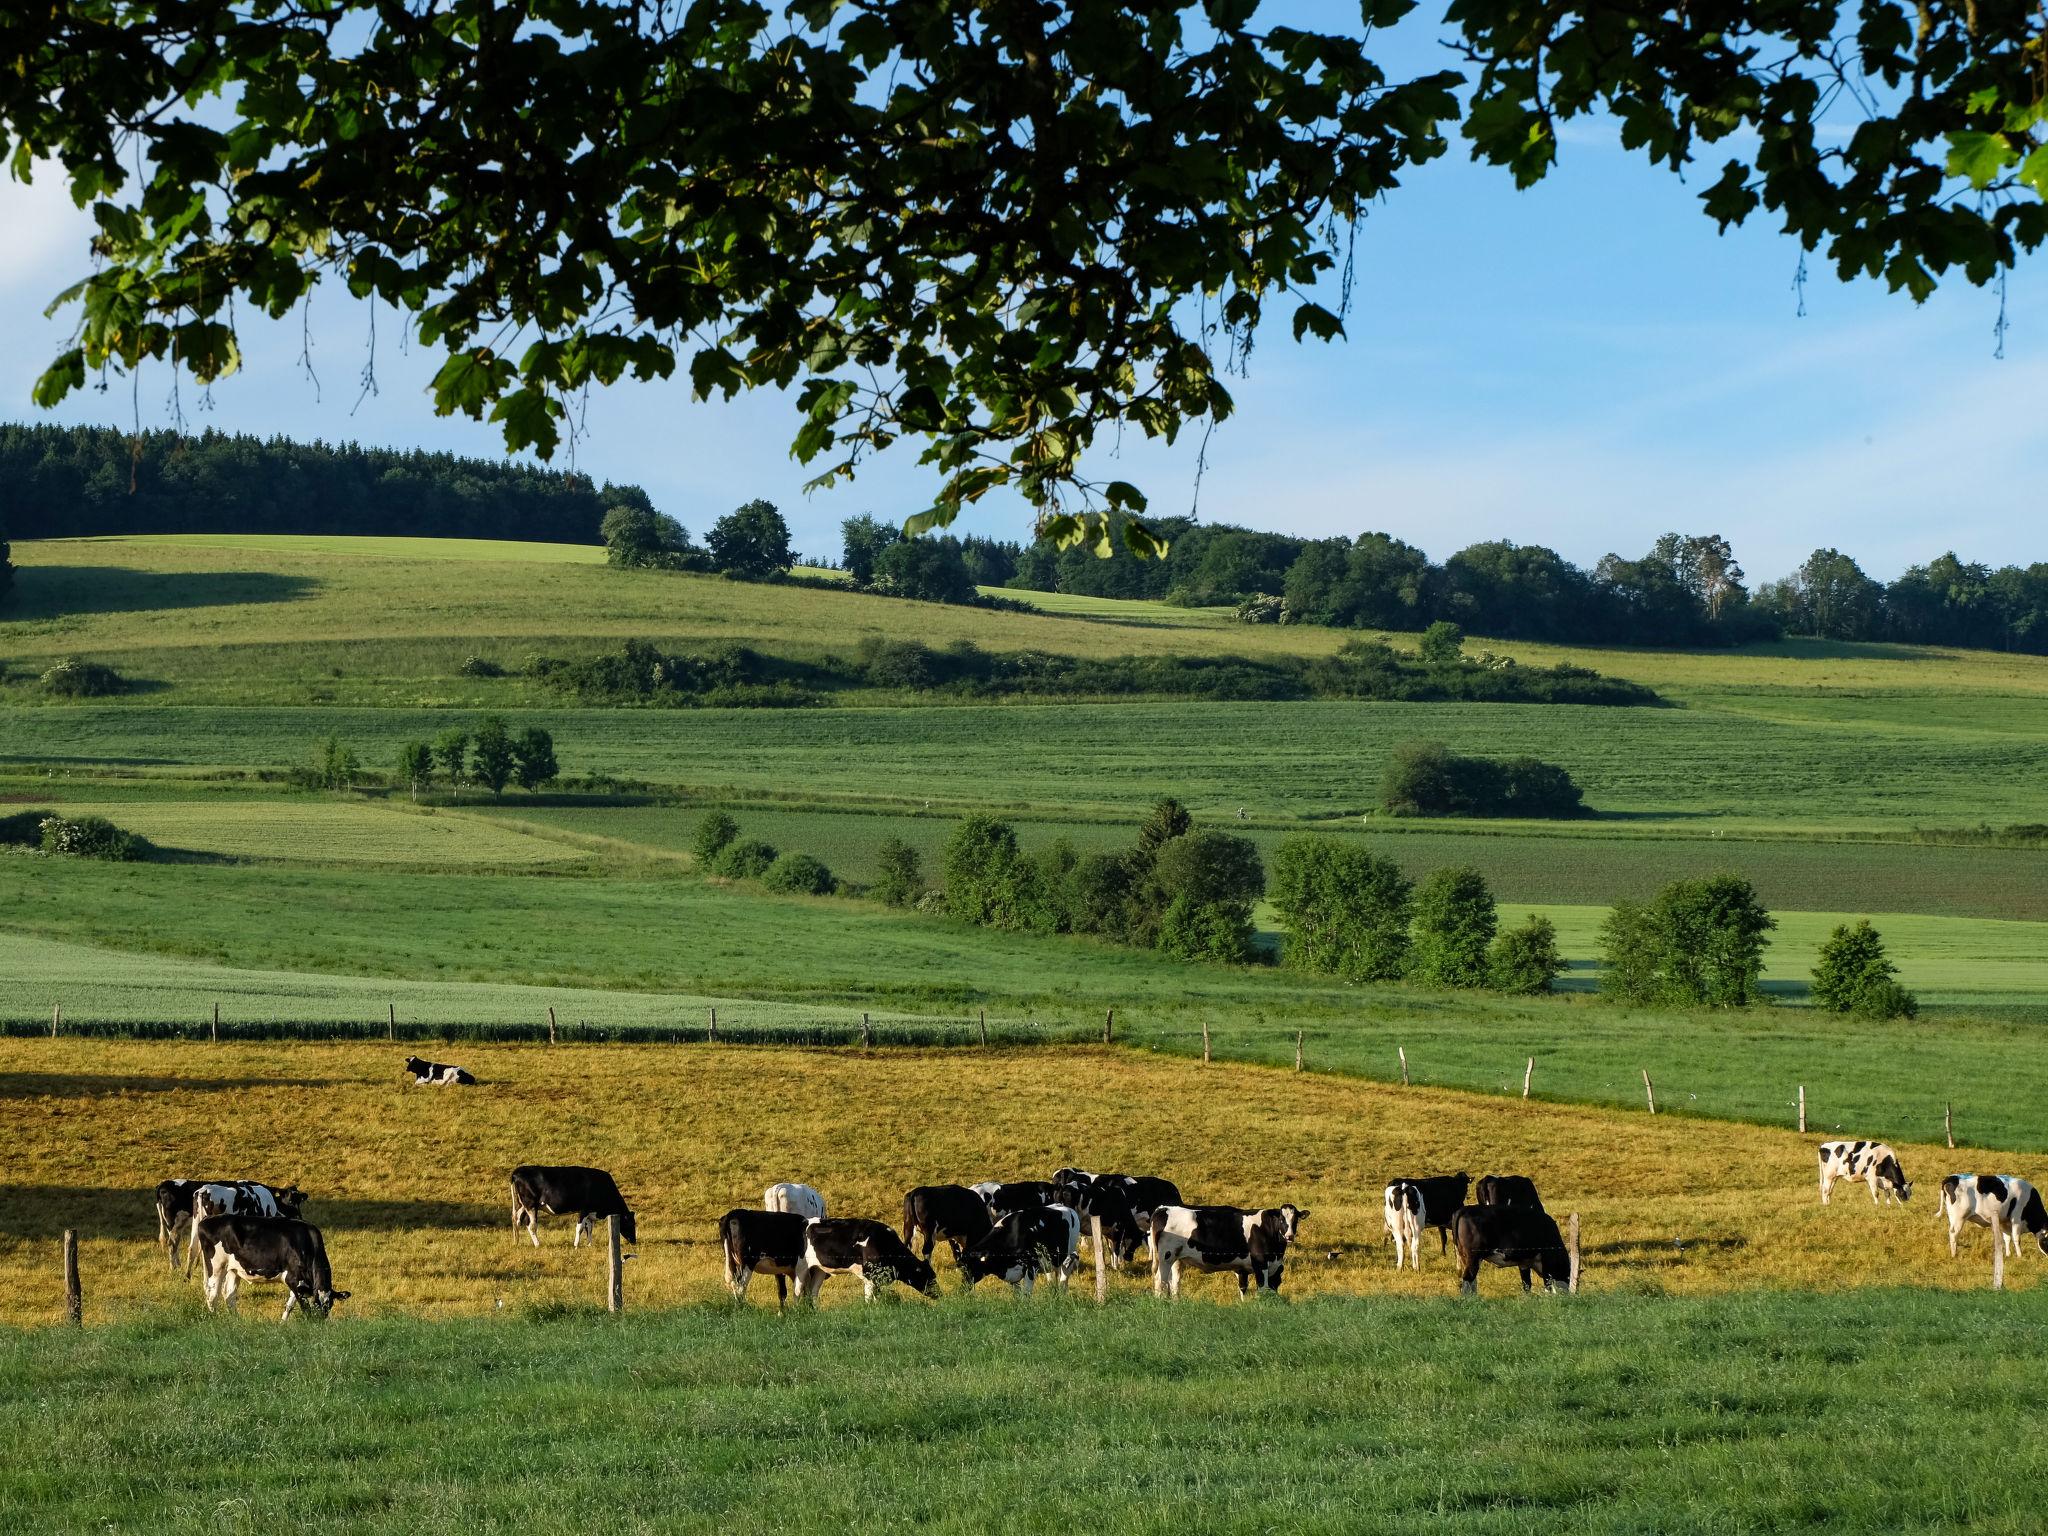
(1313, 317)
(2034, 172)
(1980, 158)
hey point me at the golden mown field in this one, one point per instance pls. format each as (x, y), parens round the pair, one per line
(409, 1184)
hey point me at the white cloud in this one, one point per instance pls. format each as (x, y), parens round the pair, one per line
(45, 239)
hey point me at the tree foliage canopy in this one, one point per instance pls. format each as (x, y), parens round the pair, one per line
(1002, 228)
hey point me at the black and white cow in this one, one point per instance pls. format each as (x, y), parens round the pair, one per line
(854, 1245)
(1411, 1206)
(1027, 1244)
(239, 1197)
(588, 1193)
(949, 1211)
(1508, 1189)
(1872, 1161)
(1222, 1238)
(1514, 1237)
(797, 1199)
(1124, 1201)
(762, 1243)
(238, 1248)
(1022, 1195)
(437, 1074)
(173, 1210)
(1976, 1198)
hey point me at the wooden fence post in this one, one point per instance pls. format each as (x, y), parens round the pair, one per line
(615, 1290)
(711, 1030)
(1997, 1250)
(984, 1026)
(1948, 1124)
(1101, 1264)
(1108, 1026)
(551, 1023)
(391, 1021)
(1205, 1042)
(74, 1299)
(1404, 1064)
(56, 1018)
(867, 1033)
(1802, 1109)
(1649, 1092)
(1297, 1050)
(215, 1033)
(1572, 1243)
(1528, 1072)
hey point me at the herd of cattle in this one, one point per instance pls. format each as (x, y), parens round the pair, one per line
(1016, 1232)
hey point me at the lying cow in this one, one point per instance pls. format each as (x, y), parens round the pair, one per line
(854, 1245)
(1027, 1244)
(1411, 1206)
(1514, 1237)
(797, 1199)
(2010, 1207)
(588, 1193)
(239, 1197)
(762, 1243)
(1222, 1239)
(437, 1074)
(238, 1248)
(949, 1211)
(1508, 1189)
(1872, 1161)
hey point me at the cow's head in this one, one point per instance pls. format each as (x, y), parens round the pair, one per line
(1464, 1184)
(1290, 1220)
(1889, 1172)
(906, 1268)
(291, 1200)
(628, 1229)
(320, 1302)
(977, 1264)
(415, 1066)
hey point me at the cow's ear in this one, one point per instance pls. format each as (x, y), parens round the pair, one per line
(1300, 1217)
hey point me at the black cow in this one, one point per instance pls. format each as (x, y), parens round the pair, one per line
(1250, 1244)
(841, 1245)
(587, 1192)
(1514, 1237)
(1023, 1195)
(1025, 1245)
(173, 1210)
(1412, 1205)
(1124, 1201)
(762, 1243)
(1508, 1189)
(238, 1248)
(950, 1211)
(437, 1074)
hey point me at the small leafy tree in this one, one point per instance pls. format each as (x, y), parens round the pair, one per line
(533, 759)
(1855, 976)
(715, 830)
(336, 765)
(1346, 909)
(495, 756)
(451, 749)
(1455, 921)
(1441, 644)
(637, 535)
(750, 542)
(798, 874)
(978, 870)
(1208, 880)
(1525, 960)
(1419, 780)
(745, 859)
(1167, 820)
(1631, 954)
(928, 569)
(865, 538)
(1714, 937)
(899, 880)
(416, 766)
(1215, 931)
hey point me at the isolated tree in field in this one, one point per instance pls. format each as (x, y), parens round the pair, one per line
(451, 750)
(715, 829)
(1698, 942)
(983, 227)
(1455, 921)
(1855, 976)
(978, 871)
(750, 542)
(1208, 881)
(1631, 954)
(1420, 780)
(416, 766)
(928, 569)
(1441, 644)
(1346, 909)
(1524, 960)
(899, 879)
(533, 759)
(335, 765)
(494, 757)
(863, 540)
(635, 534)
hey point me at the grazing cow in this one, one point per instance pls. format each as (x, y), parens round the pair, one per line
(1508, 1189)
(437, 1074)
(1872, 1161)
(1023, 1195)
(239, 1197)
(950, 1211)
(238, 1248)
(1413, 1205)
(762, 1243)
(855, 1245)
(1979, 1197)
(1124, 1201)
(797, 1199)
(1249, 1244)
(1027, 1244)
(1513, 1236)
(587, 1192)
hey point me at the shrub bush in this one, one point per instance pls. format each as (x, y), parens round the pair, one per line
(1425, 778)
(1455, 921)
(715, 830)
(978, 868)
(73, 678)
(798, 874)
(1346, 909)
(23, 829)
(1855, 976)
(92, 837)
(899, 877)
(745, 859)
(1698, 942)
(1525, 960)
(476, 666)
(1886, 1000)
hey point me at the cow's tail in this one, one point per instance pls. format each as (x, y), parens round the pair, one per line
(909, 1216)
(1153, 1229)
(729, 1240)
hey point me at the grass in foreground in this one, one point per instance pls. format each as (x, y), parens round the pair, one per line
(1761, 1412)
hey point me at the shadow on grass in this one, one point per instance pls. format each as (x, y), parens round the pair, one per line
(63, 591)
(93, 1085)
(43, 1212)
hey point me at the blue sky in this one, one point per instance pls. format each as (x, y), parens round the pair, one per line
(1585, 365)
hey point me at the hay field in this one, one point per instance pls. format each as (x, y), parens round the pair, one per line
(409, 1184)
(330, 831)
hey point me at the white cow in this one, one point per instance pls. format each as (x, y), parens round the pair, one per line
(795, 1199)
(1402, 1210)
(2010, 1207)
(1872, 1161)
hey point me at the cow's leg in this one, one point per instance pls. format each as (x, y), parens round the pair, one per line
(230, 1287)
(1826, 1184)
(867, 1284)
(1525, 1279)
(1955, 1227)
(736, 1281)
(1871, 1178)
(583, 1225)
(781, 1293)
(291, 1299)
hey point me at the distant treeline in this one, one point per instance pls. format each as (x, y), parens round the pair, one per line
(66, 482)
(1686, 590)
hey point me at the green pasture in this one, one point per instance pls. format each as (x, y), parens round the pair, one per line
(1760, 1411)
(321, 829)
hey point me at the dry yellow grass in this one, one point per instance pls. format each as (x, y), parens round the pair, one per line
(410, 1184)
